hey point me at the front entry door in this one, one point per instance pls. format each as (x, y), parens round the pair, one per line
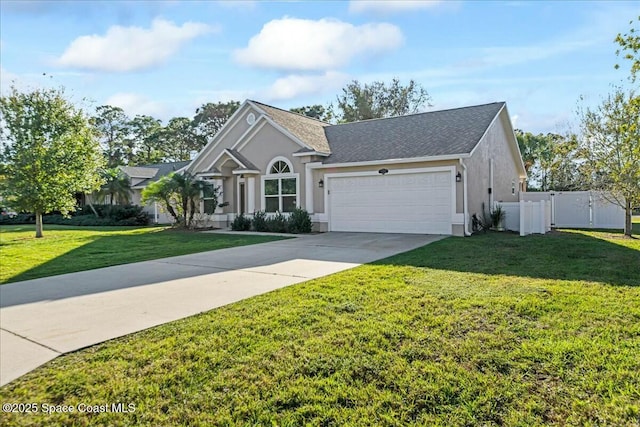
(241, 196)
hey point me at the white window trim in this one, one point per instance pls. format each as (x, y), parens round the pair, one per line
(212, 182)
(269, 175)
(279, 159)
(263, 178)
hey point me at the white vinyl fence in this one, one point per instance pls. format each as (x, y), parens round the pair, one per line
(580, 209)
(527, 217)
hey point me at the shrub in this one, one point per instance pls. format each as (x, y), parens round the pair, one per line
(108, 215)
(260, 221)
(277, 223)
(497, 216)
(299, 221)
(21, 218)
(241, 223)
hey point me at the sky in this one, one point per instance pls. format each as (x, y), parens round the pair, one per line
(167, 58)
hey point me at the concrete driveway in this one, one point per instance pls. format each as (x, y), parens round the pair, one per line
(43, 318)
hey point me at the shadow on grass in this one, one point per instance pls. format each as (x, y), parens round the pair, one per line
(118, 251)
(559, 255)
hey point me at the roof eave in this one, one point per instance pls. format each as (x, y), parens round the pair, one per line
(399, 160)
(311, 153)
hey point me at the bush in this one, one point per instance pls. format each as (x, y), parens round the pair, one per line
(260, 221)
(241, 223)
(21, 218)
(108, 215)
(299, 221)
(277, 223)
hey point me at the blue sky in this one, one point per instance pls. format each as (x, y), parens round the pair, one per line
(166, 58)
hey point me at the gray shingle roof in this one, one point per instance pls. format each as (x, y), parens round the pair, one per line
(245, 163)
(161, 169)
(308, 130)
(435, 133)
(139, 171)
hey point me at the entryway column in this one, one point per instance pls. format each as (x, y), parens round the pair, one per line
(218, 183)
(251, 189)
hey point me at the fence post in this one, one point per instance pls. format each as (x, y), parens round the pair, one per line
(521, 217)
(541, 223)
(590, 210)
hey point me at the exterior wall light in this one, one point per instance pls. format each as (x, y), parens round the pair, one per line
(383, 171)
(321, 183)
(458, 177)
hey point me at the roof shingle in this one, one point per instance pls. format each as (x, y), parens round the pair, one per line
(308, 130)
(435, 133)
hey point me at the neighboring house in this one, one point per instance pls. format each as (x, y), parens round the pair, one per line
(141, 176)
(421, 173)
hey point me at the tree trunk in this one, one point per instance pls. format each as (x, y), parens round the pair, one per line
(627, 219)
(93, 209)
(38, 224)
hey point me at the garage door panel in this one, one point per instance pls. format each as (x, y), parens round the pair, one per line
(400, 203)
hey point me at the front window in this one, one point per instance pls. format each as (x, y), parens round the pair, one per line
(209, 198)
(280, 188)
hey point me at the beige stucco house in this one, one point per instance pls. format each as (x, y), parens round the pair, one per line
(141, 176)
(420, 173)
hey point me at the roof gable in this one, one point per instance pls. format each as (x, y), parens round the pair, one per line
(159, 170)
(431, 134)
(308, 130)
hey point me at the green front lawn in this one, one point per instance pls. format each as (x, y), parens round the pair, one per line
(489, 330)
(67, 249)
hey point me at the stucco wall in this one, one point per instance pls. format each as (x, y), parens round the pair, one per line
(266, 145)
(231, 133)
(493, 146)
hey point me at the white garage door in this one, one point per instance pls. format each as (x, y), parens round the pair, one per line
(394, 203)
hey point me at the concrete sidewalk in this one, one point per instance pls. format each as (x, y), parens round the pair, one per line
(43, 318)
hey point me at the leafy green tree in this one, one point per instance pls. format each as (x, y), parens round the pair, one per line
(630, 49)
(180, 139)
(379, 100)
(610, 148)
(146, 134)
(210, 118)
(117, 187)
(315, 111)
(49, 152)
(178, 193)
(550, 161)
(112, 125)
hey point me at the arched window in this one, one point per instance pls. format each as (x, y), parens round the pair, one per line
(280, 167)
(280, 187)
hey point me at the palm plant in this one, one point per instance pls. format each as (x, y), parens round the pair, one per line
(178, 193)
(117, 186)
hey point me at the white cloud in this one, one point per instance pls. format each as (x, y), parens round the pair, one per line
(295, 85)
(306, 45)
(131, 48)
(391, 6)
(134, 104)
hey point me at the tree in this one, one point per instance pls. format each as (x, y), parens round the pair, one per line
(630, 49)
(378, 100)
(315, 111)
(550, 161)
(146, 132)
(112, 125)
(49, 152)
(210, 118)
(177, 193)
(180, 139)
(117, 187)
(610, 147)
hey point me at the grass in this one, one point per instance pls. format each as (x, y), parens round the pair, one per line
(489, 330)
(67, 249)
